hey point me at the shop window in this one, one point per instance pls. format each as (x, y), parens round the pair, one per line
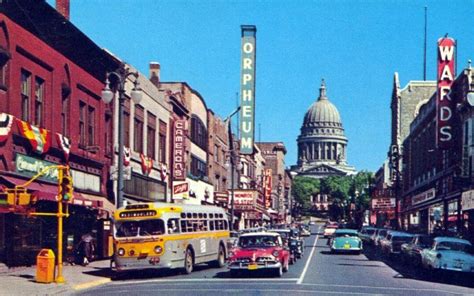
(25, 95)
(39, 100)
(162, 143)
(138, 129)
(144, 187)
(82, 124)
(151, 135)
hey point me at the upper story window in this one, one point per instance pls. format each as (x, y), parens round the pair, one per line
(198, 167)
(82, 124)
(108, 135)
(198, 133)
(151, 135)
(25, 95)
(65, 100)
(162, 142)
(138, 129)
(39, 101)
(91, 126)
(216, 153)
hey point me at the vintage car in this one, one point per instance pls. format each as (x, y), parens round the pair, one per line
(345, 240)
(365, 233)
(290, 242)
(330, 229)
(259, 251)
(448, 253)
(392, 243)
(411, 252)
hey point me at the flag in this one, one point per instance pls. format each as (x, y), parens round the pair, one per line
(64, 143)
(6, 121)
(126, 156)
(40, 138)
(147, 164)
(164, 172)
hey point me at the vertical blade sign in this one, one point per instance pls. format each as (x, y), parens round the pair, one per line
(247, 89)
(444, 103)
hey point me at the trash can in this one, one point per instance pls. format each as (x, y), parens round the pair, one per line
(45, 266)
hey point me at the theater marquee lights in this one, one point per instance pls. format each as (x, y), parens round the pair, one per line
(247, 89)
(445, 106)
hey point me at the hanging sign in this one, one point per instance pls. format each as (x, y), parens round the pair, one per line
(445, 106)
(179, 153)
(247, 89)
(268, 188)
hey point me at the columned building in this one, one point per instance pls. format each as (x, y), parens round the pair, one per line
(322, 145)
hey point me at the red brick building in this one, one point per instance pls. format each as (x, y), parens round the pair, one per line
(51, 77)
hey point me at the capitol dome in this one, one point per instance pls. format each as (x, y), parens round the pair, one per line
(322, 112)
(322, 145)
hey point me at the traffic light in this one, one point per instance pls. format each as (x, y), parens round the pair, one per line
(7, 198)
(67, 188)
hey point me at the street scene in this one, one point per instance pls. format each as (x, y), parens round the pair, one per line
(236, 147)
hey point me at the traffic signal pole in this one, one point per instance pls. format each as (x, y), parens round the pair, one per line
(59, 214)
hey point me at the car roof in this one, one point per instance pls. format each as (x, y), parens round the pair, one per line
(279, 230)
(451, 239)
(399, 233)
(346, 230)
(260, 234)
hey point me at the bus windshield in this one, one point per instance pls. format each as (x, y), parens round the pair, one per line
(140, 228)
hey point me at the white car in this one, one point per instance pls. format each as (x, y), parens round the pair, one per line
(449, 253)
(329, 230)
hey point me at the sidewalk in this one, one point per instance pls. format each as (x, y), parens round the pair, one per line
(21, 280)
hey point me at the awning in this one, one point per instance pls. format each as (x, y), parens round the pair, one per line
(49, 192)
(104, 202)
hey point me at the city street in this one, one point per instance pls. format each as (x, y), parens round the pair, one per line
(318, 272)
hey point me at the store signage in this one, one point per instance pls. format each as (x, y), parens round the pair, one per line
(221, 197)
(467, 201)
(268, 188)
(244, 200)
(445, 107)
(29, 166)
(179, 153)
(247, 89)
(424, 196)
(180, 190)
(383, 203)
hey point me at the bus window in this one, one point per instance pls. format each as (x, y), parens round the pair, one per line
(189, 215)
(173, 226)
(211, 225)
(183, 226)
(200, 215)
(204, 225)
(226, 225)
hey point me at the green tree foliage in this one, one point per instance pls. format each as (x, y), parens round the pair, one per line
(303, 188)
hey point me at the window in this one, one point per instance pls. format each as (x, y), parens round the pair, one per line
(25, 95)
(3, 75)
(65, 112)
(198, 167)
(162, 143)
(82, 123)
(173, 226)
(151, 138)
(108, 135)
(216, 153)
(126, 128)
(39, 99)
(198, 133)
(138, 129)
(90, 126)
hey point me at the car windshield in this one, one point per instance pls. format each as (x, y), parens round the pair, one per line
(283, 234)
(425, 241)
(345, 234)
(140, 228)
(403, 239)
(382, 233)
(258, 241)
(370, 231)
(454, 246)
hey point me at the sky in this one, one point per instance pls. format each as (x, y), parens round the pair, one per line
(356, 46)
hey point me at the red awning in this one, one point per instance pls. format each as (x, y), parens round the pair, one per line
(49, 192)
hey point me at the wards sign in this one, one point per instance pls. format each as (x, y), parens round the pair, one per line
(247, 89)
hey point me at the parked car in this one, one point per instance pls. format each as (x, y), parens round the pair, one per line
(392, 243)
(346, 240)
(411, 252)
(447, 253)
(257, 251)
(330, 229)
(304, 229)
(366, 233)
(379, 235)
(290, 242)
(254, 229)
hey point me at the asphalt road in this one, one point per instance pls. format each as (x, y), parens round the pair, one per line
(318, 272)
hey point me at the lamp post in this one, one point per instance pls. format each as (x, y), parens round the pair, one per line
(119, 78)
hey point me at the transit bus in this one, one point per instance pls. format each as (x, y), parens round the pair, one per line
(163, 235)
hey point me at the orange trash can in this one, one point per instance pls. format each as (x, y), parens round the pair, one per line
(45, 266)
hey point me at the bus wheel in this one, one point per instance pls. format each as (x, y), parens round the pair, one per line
(220, 262)
(188, 261)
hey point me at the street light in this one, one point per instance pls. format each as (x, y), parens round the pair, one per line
(119, 78)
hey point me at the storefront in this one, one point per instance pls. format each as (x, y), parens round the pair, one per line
(467, 207)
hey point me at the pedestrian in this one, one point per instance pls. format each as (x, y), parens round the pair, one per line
(87, 249)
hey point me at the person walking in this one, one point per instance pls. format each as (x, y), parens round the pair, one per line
(87, 249)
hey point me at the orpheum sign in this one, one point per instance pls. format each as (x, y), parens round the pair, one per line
(445, 106)
(179, 154)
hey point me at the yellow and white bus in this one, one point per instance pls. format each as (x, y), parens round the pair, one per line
(162, 235)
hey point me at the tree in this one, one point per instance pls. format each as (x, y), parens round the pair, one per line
(303, 188)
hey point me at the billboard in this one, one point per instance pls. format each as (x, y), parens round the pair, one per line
(179, 152)
(445, 107)
(247, 89)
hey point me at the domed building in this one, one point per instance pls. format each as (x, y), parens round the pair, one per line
(322, 145)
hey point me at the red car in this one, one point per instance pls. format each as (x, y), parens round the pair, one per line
(257, 251)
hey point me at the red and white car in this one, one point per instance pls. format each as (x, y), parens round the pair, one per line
(257, 251)
(330, 229)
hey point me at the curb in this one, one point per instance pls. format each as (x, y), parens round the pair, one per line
(91, 284)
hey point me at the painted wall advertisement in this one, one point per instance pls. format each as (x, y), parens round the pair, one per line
(247, 89)
(445, 106)
(179, 153)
